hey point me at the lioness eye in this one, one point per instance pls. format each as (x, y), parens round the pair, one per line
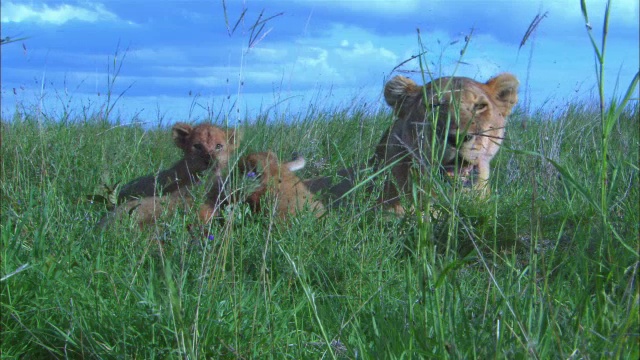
(480, 106)
(198, 147)
(219, 146)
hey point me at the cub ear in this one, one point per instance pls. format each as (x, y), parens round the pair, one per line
(245, 164)
(234, 136)
(271, 159)
(252, 163)
(504, 91)
(398, 89)
(180, 133)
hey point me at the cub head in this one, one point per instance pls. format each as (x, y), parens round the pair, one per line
(267, 174)
(261, 170)
(468, 117)
(266, 165)
(262, 164)
(206, 145)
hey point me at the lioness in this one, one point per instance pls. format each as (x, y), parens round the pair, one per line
(265, 180)
(461, 119)
(204, 146)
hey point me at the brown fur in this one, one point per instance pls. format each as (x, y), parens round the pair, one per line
(147, 210)
(275, 182)
(204, 146)
(332, 189)
(469, 118)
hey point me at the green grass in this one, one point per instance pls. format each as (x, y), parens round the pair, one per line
(546, 267)
(522, 274)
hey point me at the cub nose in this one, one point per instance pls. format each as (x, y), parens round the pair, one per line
(456, 139)
(199, 147)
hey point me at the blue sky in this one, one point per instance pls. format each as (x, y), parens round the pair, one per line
(182, 62)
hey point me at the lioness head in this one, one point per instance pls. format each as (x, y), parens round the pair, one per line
(464, 120)
(205, 145)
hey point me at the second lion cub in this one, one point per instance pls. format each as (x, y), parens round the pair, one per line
(266, 182)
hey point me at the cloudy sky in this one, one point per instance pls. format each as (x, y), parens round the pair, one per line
(185, 59)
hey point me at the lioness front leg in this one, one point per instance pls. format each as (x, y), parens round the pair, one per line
(482, 184)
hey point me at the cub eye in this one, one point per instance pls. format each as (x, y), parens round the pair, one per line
(219, 146)
(198, 147)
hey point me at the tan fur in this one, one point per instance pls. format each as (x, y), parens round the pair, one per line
(147, 210)
(468, 118)
(204, 146)
(276, 184)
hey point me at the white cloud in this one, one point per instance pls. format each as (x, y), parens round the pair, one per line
(258, 77)
(316, 56)
(56, 15)
(343, 64)
(268, 53)
(315, 62)
(160, 55)
(343, 55)
(366, 49)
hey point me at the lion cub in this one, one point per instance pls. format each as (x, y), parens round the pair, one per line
(265, 181)
(204, 146)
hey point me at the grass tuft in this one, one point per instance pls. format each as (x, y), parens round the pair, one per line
(546, 267)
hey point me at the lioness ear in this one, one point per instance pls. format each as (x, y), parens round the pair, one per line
(180, 133)
(504, 90)
(398, 89)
